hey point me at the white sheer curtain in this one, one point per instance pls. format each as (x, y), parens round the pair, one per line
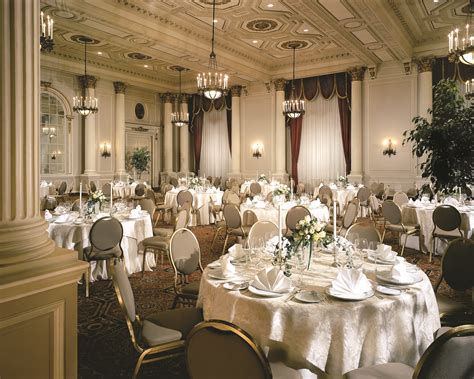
(215, 152)
(321, 153)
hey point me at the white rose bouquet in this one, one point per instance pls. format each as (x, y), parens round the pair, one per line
(194, 183)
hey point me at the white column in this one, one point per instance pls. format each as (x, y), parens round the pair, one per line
(356, 173)
(168, 99)
(23, 233)
(184, 139)
(90, 141)
(236, 167)
(280, 143)
(119, 128)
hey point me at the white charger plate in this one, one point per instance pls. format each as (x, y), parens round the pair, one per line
(217, 274)
(372, 258)
(308, 297)
(350, 296)
(236, 285)
(263, 293)
(388, 291)
(386, 276)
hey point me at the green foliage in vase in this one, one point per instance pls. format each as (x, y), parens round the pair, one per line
(140, 160)
(447, 140)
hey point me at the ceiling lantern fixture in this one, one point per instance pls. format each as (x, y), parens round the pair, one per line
(461, 42)
(293, 107)
(180, 118)
(212, 84)
(46, 35)
(85, 105)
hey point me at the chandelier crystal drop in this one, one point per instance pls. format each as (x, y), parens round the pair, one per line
(85, 105)
(180, 118)
(461, 41)
(46, 35)
(293, 107)
(212, 84)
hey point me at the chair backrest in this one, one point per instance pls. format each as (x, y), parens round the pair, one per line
(249, 218)
(391, 212)
(457, 265)
(233, 198)
(400, 198)
(449, 356)
(149, 206)
(219, 349)
(123, 289)
(174, 182)
(232, 216)
(269, 197)
(363, 194)
(75, 206)
(185, 254)
(140, 190)
(374, 203)
(294, 215)
(380, 189)
(106, 233)
(62, 188)
(92, 186)
(325, 194)
(255, 188)
(300, 189)
(411, 192)
(182, 219)
(107, 189)
(446, 217)
(261, 229)
(150, 194)
(235, 189)
(350, 214)
(181, 175)
(368, 232)
(165, 188)
(217, 182)
(184, 196)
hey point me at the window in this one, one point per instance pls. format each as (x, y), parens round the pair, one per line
(53, 135)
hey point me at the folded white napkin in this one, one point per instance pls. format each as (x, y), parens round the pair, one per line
(411, 202)
(228, 269)
(248, 201)
(350, 186)
(135, 213)
(399, 271)
(138, 208)
(315, 203)
(47, 215)
(236, 251)
(272, 279)
(350, 281)
(332, 186)
(64, 218)
(385, 252)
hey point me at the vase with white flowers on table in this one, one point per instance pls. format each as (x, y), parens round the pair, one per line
(308, 234)
(94, 203)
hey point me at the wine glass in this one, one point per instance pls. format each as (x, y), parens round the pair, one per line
(372, 249)
(362, 244)
(301, 263)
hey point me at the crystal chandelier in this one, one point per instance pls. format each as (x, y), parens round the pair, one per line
(461, 42)
(180, 118)
(293, 107)
(46, 36)
(85, 105)
(49, 131)
(212, 84)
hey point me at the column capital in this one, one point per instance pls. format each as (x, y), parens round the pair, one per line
(168, 97)
(356, 73)
(120, 87)
(279, 84)
(236, 91)
(425, 64)
(87, 81)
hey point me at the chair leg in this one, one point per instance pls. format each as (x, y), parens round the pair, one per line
(225, 243)
(215, 237)
(88, 278)
(138, 365)
(403, 247)
(175, 302)
(383, 234)
(144, 260)
(433, 247)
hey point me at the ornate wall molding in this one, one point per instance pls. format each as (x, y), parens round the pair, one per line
(279, 84)
(425, 64)
(356, 73)
(236, 91)
(168, 97)
(87, 81)
(120, 87)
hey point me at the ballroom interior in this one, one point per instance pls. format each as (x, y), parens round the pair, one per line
(315, 241)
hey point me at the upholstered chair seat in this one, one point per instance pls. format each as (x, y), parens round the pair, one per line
(101, 255)
(385, 371)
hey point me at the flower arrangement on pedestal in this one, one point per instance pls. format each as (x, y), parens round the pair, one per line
(342, 181)
(95, 198)
(263, 178)
(308, 231)
(282, 189)
(194, 183)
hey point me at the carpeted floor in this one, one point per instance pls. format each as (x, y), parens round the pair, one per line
(105, 349)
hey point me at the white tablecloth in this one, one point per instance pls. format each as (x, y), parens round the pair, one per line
(271, 213)
(336, 336)
(266, 187)
(125, 190)
(76, 237)
(343, 195)
(424, 217)
(201, 201)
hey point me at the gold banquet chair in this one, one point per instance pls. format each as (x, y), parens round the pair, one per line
(369, 232)
(262, 229)
(234, 225)
(162, 334)
(347, 220)
(295, 215)
(220, 349)
(446, 219)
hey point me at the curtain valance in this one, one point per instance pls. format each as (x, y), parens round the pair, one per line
(201, 103)
(325, 85)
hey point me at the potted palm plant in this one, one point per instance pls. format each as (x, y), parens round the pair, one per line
(139, 161)
(447, 140)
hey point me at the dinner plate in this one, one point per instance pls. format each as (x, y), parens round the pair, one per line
(236, 285)
(350, 296)
(130, 217)
(61, 221)
(217, 274)
(215, 264)
(388, 290)
(308, 297)
(386, 276)
(263, 293)
(373, 258)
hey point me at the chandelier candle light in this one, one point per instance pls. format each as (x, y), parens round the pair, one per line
(85, 105)
(461, 42)
(293, 107)
(212, 84)
(46, 36)
(180, 118)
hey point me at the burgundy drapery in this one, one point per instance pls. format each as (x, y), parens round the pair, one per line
(309, 89)
(200, 104)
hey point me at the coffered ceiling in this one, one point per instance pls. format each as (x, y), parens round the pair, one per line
(141, 40)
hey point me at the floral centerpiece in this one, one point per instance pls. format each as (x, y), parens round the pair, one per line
(95, 200)
(342, 181)
(194, 183)
(263, 178)
(281, 255)
(308, 231)
(282, 189)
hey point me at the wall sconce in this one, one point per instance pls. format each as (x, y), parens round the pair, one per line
(55, 154)
(49, 131)
(390, 147)
(257, 150)
(105, 149)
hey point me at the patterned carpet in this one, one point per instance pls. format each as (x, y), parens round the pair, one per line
(105, 349)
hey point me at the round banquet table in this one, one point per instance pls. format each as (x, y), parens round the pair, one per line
(266, 187)
(270, 213)
(423, 215)
(76, 237)
(201, 201)
(333, 335)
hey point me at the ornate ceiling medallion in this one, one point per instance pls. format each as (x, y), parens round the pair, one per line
(139, 56)
(290, 45)
(78, 38)
(263, 25)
